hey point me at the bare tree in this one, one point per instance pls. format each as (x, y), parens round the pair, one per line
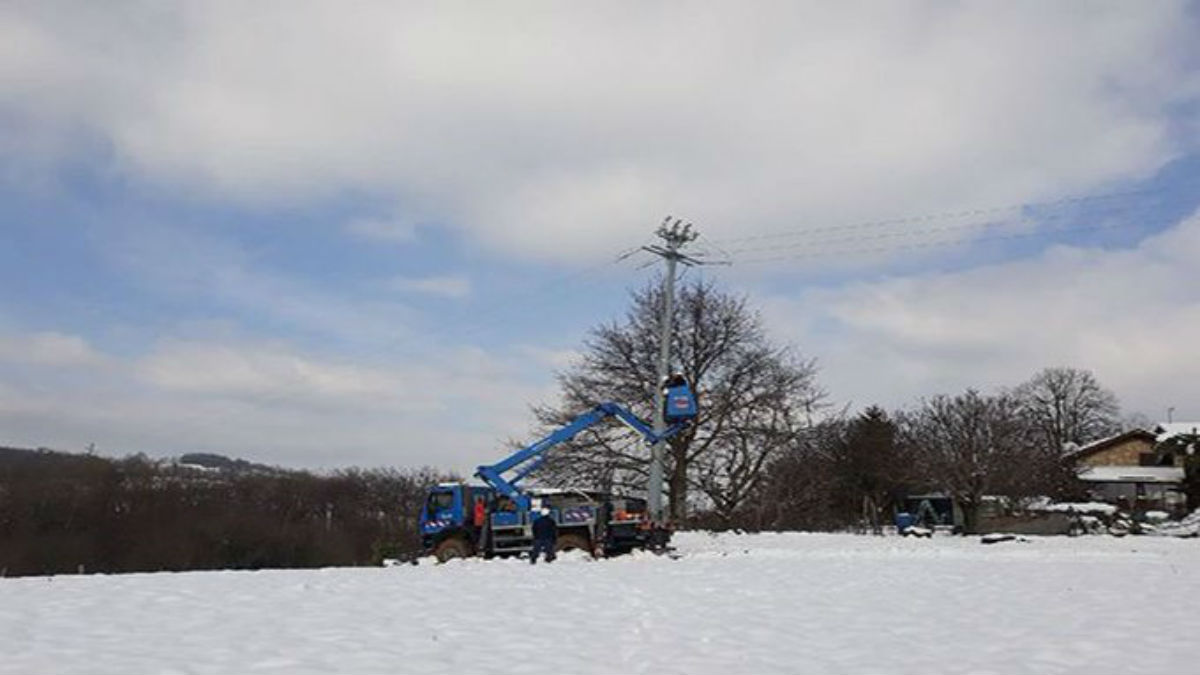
(728, 469)
(1136, 420)
(1068, 405)
(753, 395)
(797, 491)
(974, 446)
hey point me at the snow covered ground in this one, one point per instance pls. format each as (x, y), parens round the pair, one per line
(792, 603)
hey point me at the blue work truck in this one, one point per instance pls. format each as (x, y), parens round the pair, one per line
(599, 523)
(496, 518)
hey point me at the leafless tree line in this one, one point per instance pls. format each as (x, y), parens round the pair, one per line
(856, 471)
(67, 512)
(766, 451)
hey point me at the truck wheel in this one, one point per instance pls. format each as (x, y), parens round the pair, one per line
(572, 542)
(451, 548)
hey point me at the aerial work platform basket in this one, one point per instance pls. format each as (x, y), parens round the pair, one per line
(680, 403)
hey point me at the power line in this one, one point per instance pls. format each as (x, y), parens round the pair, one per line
(982, 212)
(822, 253)
(726, 256)
(894, 234)
(807, 244)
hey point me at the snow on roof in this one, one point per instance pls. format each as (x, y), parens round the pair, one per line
(1132, 474)
(1109, 441)
(1167, 430)
(1098, 441)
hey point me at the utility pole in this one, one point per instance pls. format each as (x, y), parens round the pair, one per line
(675, 235)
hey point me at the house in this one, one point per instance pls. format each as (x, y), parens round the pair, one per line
(1186, 433)
(1133, 471)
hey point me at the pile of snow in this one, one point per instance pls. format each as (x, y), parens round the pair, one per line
(1075, 507)
(1188, 527)
(795, 603)
(998, 537)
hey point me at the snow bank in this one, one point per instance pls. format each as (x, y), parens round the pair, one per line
(795, 603)
(1188, 527)
(1077, 507)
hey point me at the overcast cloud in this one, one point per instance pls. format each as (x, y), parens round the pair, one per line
(541, 130)
(1132, 316)
(470, 141)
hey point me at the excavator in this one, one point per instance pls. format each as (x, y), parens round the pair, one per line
(494, 518)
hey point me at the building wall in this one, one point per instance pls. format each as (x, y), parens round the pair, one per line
(1127, 453)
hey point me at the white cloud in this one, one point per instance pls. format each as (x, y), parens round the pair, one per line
(1130, 315)
(394, 231)
(571, 132)
(551, 359)
(273, 402)
(49, 349)
(445, 286)
(259, 371)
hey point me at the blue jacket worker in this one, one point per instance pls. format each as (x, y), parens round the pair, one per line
(545, 534)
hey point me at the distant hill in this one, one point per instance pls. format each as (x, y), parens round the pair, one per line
(25, 458)
(210, 460)
(28, 458)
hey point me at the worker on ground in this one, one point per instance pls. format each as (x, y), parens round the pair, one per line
(480, 512)
(545, 535)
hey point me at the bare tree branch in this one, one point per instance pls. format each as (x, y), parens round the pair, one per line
(750, 394)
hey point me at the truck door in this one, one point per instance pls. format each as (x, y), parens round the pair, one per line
(440, 510)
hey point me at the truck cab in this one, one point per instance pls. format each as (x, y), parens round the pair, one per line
(449, 512)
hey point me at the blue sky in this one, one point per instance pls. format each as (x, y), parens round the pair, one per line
(373, 237)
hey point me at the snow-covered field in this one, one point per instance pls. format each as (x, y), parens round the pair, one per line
(732, 604)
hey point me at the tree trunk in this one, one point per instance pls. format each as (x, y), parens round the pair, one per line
(970, 510)
(678, 485)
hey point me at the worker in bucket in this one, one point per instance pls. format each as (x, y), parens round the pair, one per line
(545, 535)
(676, 379)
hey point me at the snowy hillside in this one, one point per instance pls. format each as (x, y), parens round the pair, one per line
(764, 603)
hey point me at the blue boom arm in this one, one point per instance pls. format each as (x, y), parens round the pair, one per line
(522, 462)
